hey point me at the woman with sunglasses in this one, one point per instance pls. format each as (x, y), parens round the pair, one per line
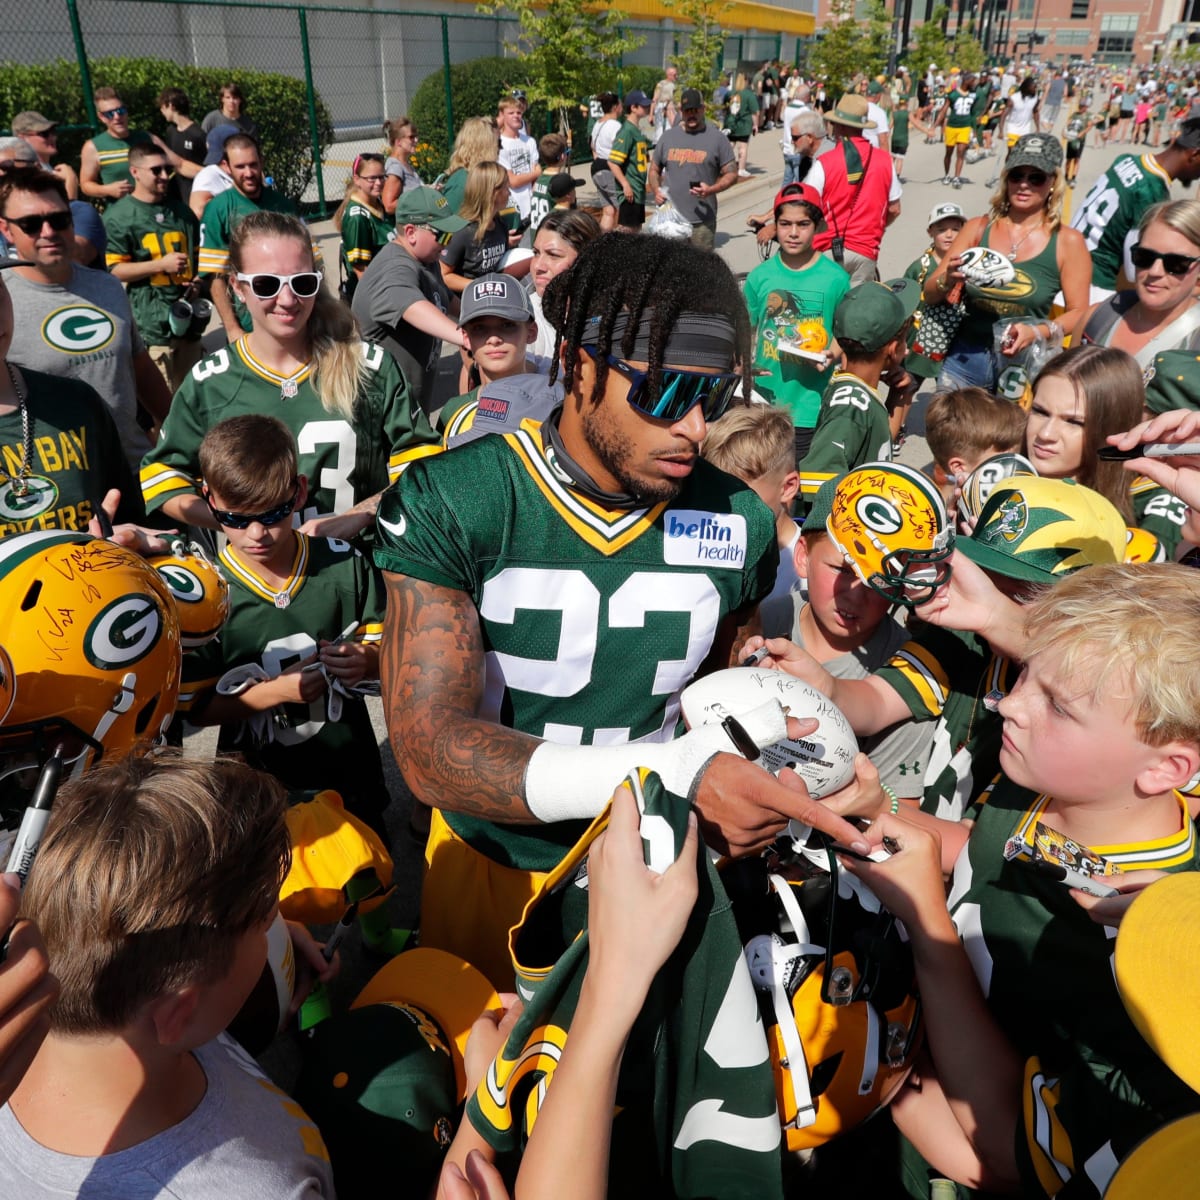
(356, 423)
(361, 220)
(1024, 225)
(477, 141)
(401, 134)
(1161, 312)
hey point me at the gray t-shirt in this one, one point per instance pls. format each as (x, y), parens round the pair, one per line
(83, 329)
(391, 284)
(901, 751)
(409, 179)
(245, 1138)
(690, 158)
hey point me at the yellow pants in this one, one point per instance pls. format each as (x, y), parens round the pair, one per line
(469, 903)
(957, 135)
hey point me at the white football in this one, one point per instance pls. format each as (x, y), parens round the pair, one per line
(824, 759)
(986, 267)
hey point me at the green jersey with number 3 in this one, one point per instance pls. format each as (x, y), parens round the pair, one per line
(139, 232)
(592, 619)
(344, 462)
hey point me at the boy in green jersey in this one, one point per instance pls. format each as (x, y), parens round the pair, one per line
(629, 160)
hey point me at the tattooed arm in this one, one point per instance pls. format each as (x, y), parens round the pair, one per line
(432, 671)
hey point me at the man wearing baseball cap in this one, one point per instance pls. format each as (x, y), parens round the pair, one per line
(42, 135)
(401, 301)
(694, 161)
(792, 297)
(627, 161)
(871, 326)
(859, 191)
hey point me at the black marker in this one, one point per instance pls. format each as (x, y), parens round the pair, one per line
(339, 933)
(1150, 450)
(741, 739)
(37, 815)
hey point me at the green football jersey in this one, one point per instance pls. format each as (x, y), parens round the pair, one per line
(331, 588)
(112, 153)
(696, 1091)
(344, 462)
(949, 677)
(364, 234)
(852, 429)
(77, 457)
(593, 620)
(140, 232)
(1156, 510)
(1109, 215)
(960, 109)
(540, 202)
(631, 152)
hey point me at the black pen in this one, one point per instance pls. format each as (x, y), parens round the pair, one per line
(37, 816)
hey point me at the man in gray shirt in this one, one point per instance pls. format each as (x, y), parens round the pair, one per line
(401, 301)
(695, 161)
(72, 321)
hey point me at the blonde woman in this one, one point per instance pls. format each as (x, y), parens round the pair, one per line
(401, 134)
(480, 248)
(361, 220)
(347, 403)
(1024, 225)
(478, 141)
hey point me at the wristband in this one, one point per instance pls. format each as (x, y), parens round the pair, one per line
(570, 783)
(887, 791)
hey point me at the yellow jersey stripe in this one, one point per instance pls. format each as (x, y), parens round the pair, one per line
(810, 483)
(357, 254)
(158, 481)
(460, 422)
(924, 673)
(212, 261)
(401, 460)
(254, 582)
(112, 260)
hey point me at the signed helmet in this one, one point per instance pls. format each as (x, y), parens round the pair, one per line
(977, 486)
(92, 652)
(890, 524)
(836, 988)
(199, 590)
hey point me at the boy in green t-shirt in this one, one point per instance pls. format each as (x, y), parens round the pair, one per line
(553, 157)
(792, 298)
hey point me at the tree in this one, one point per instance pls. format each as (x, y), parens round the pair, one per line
(700, 62)
(845, 49)
(968, 53)
(568, 48)
(928, 44)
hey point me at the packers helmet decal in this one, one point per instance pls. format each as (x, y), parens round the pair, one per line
(978, 485)
(200, 592)
(891, 526)
(1141, 546)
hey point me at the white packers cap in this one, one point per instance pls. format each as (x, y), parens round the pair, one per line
(939, 212)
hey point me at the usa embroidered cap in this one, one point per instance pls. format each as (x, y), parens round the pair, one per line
(427, 206)
(495, 296)
(1042, 530)
(873, 313)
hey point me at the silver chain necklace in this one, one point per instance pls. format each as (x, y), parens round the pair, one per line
(1016, 245)
(19, 485)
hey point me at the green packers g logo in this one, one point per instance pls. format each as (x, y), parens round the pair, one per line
(78, 329)
(185, 585)
(878, 514)
(124, 632)
(37, 496)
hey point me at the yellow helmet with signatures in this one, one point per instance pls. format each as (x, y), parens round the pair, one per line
(91, 644)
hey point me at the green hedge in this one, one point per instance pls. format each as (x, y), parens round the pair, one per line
(477, 86)
(279, 103)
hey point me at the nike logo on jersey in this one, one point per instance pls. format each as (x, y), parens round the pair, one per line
(395, 528)
(707, 539)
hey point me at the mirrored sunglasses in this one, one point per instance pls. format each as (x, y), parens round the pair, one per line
(109, 113)
(678, 391)
(237, 520)
(265, 285)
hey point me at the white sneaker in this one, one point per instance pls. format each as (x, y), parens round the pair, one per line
(743, 174)
(945, 180)
(957, 181)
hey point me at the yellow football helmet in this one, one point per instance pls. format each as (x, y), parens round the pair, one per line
(837, 991)
(890, 524)
(91, 648)
(1141, 546)
(199, 590)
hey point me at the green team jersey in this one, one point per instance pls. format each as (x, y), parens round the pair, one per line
(139, 232)
(631, 152)
(1156, 510)
(852, 429)
(1078, 123)
(790, 307)
(540, 202)
(982, 98)
(331, 587)
(948, 676)
(345, 462)
(743, 106)
(364, 234)
(221, 217)
(960, 109)
(1109, 215)
(112, 153)
(696, 1096)
(1047, 971)
(77, 457)
(592, 619)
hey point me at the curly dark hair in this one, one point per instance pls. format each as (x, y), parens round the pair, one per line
(619, 273)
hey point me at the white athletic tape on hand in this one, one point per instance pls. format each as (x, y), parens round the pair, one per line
(570, 783)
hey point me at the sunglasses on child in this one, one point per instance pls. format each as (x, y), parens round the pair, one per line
(304, 284)
(237, 520)
(678, 391)
(1174, 264)
(31, 226)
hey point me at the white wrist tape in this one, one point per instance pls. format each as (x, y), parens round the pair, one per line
(566, 783)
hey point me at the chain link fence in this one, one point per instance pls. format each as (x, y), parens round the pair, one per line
(358, 65)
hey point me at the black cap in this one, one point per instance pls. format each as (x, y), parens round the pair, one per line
(562, 185)
(691, 98)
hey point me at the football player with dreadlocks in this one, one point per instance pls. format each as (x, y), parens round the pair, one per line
(551, 591)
